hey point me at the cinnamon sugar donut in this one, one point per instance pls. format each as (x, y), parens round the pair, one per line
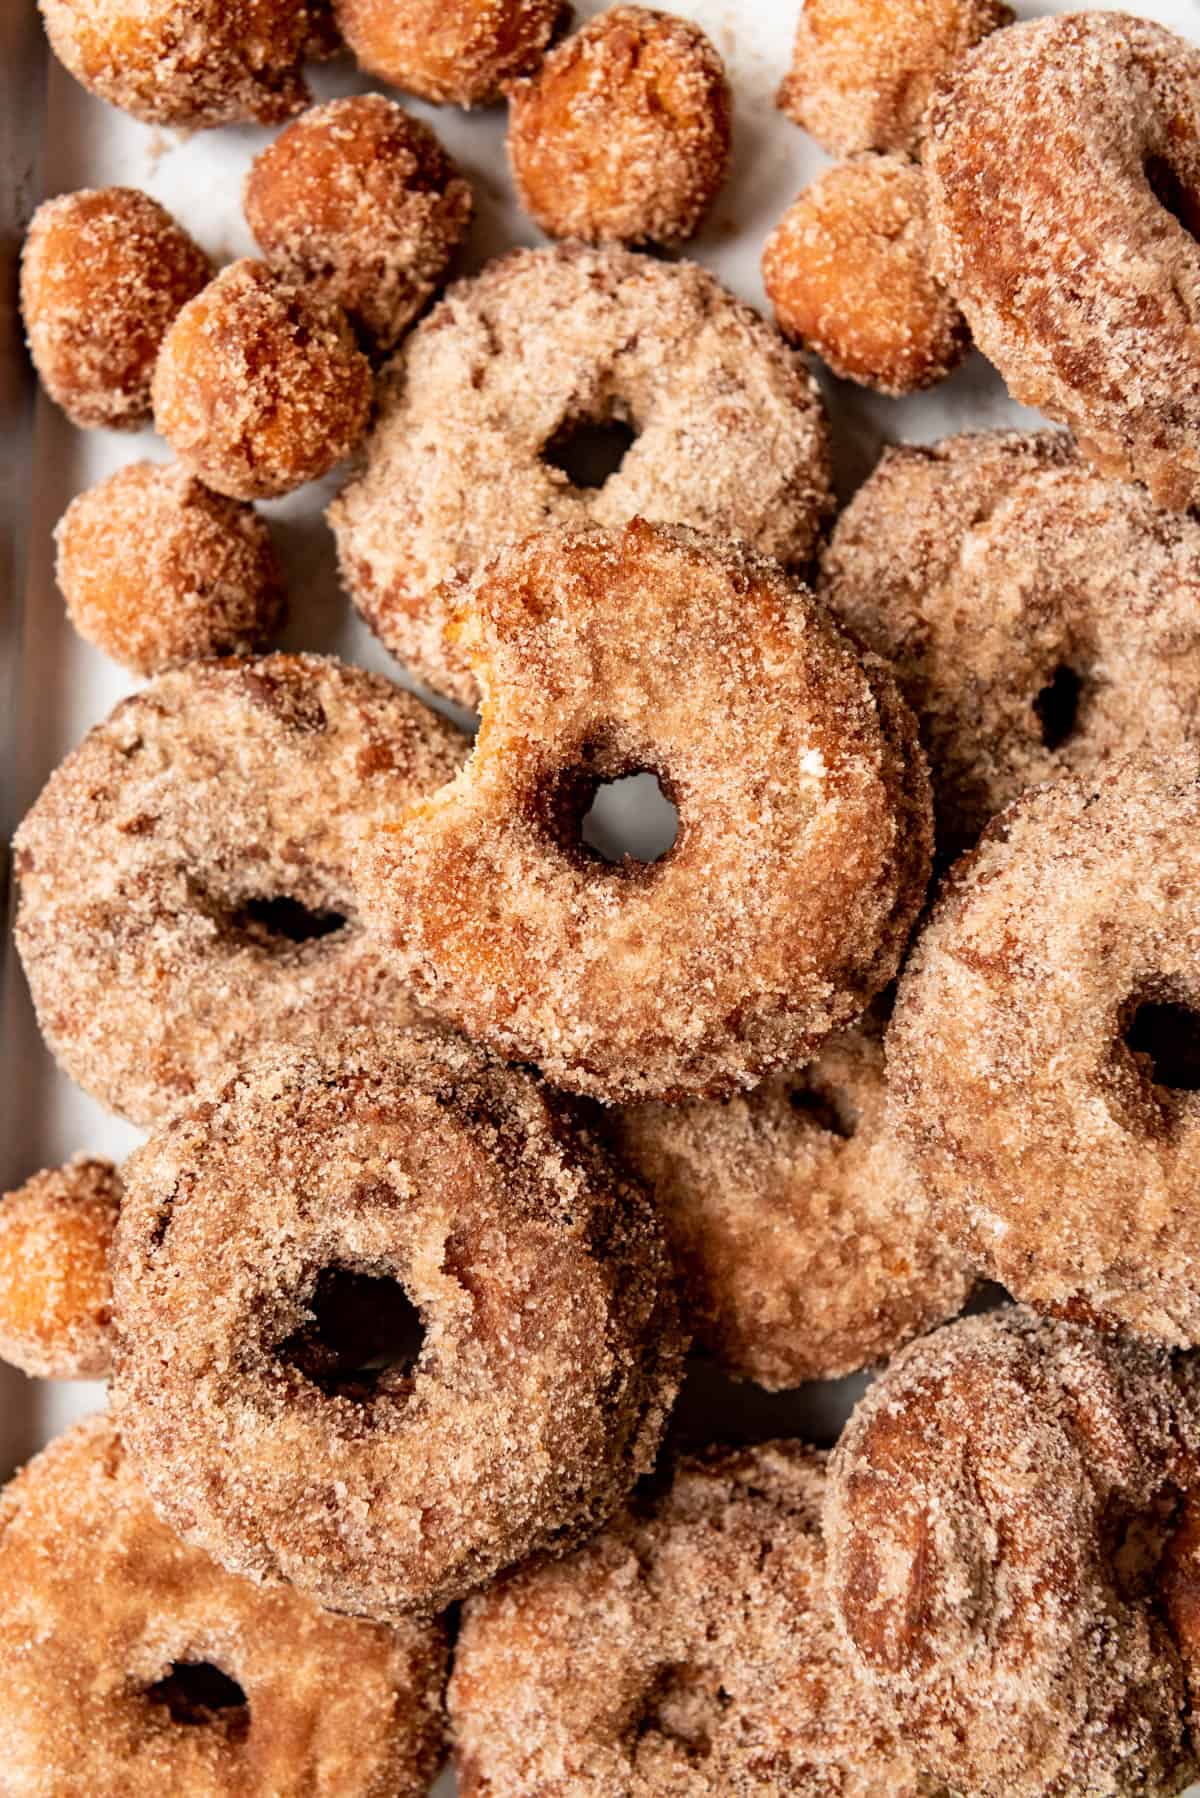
(1071, 603)
(1043, 1051)
(184, 883)
(130, 1663)
(802, 1239)
(623, 134)
(803, 843)
(997, 1512)
(387, 1322)
(1064, 170)
(460, 51)
(689, 1650)
(55, 1292)
(731, 437)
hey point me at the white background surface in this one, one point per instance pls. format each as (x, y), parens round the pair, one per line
(66, 686)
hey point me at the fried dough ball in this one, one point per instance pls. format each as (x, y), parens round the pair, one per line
(624, 132)
(863, 70)
(55, 1293)
(358, 203)
(460, 51)
(103, 274)
(258, 387)
(155, 569)
(848, 272)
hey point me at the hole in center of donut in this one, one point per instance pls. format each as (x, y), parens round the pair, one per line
(682, 1704)
(1057, 706)
(823, 1110)
(630, 820)
(280, 922)
(590, 452)
(1173, 196)
(364, 1335)
(198, 1694)
(1168, 1036)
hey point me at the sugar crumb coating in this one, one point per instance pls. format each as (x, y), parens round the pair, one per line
(1064, 170)
(156, 568)
(1070, 601)
(104, 272)
(689, 1650)
(802, 1239)
(848, 271)
(187, 63)
(358, 203)
(803, 845)
(449, 51)
(1039, 1053)
(999, 1519)
(259, 385)
(623, 134)
(863, 70)
(184, 875)
(55, 1288)
(106, 1611)
(549, 1348)
(731, 434)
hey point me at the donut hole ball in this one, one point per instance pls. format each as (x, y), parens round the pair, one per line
(358, 203)
(456, 51)
(623, 134)
(863, 70)
(55, 1297)
(848, 272)
(156, 568)
(258, 387)
(189, 63)
(104, 273)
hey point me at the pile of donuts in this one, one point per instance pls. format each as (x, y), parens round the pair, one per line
(460, 1130)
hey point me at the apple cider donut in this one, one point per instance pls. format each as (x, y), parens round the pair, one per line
(387, 1322)
(803, 844)
(459, 51)
(463, 455)
(997, 1513)
(132, 1663)
(689, 1650)
(184, 884)
(1064, 167)
(1070, 603)
(55, 1290)
(801, 1237)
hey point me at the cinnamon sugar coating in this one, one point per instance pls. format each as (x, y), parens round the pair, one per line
(546, 1355)
(1071, 602)
(803, 845)
(259, 385)
(156, 568)
(110, 1623)
(863, 70)
(997, 1512)
(1064, 169)
(459, 51)
(104, 272)
(848, 272)
(688, 1650)
(1042, 1049)
(802, 1239)
(623, 134)
(358, 203)
(55, 1292)
(731, 436)
(184, 882)
(190, 63)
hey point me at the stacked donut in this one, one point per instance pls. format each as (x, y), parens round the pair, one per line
(464, 1126)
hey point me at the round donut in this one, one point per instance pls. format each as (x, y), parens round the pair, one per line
(1069, 602)
(802, 1240)
(131, 1663)
(184, 875)
(1064, 178)
(387, 1322)
(55, 1291)
(1044, 1053)
(461, 459)
(803, 844)
(623, 135)
(459, 51)
(689, 1650)
(997, 1512)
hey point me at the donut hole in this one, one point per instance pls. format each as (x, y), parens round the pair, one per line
(198, 1695)
(278, 922)
(1057, 706)
(1163, 1035)
(363, 1336)
(827, 1111)
(606, 807)
(682, 1705)
(1136, 1543)
(630, 819)
(1173, 194)
(590, 451)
